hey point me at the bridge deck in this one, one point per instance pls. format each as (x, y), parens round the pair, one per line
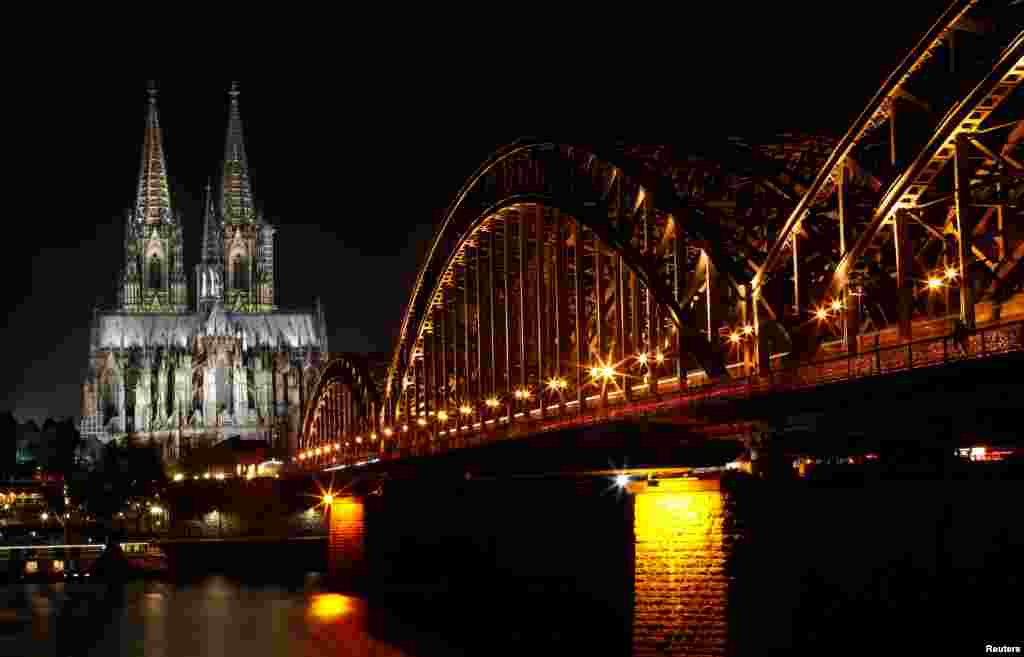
(670, 397)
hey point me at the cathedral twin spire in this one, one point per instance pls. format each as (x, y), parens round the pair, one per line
(154, 279)
(153, 199)
(235, 191)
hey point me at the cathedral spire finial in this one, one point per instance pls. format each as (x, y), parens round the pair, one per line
(151, 91)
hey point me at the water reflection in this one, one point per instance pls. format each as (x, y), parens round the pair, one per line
(326, 607)
(211, 616)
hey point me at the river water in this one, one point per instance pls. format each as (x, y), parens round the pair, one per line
(870, 567)
(213, 615)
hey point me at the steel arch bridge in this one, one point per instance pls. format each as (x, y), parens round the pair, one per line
(571, 276)
(344, 402)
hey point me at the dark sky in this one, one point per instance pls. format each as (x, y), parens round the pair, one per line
(355, 153)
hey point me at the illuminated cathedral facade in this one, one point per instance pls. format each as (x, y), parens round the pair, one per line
(233, 365)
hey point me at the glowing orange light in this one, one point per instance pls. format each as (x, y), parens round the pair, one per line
(492, 402)
(748, 330)
(934, 283)
(405, 427)
(442, 415)
(951, 273)
(465, 409)
(359, 440)
(837, 304)
(734, 337)
(422, 422)
(330, 606)
(659, 358)
(388, 431)
(642, 359)
(608, 372)
(328, 498)
(373, 437)
(556, 384)
(595, 372)
(821, 314)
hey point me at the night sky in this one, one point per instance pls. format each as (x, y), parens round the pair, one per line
(356, 160)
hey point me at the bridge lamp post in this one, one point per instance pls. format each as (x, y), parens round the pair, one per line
(493, 404)
(643, 360)
(522, 395)
(659, 362)
(558, 386)
(465, 410)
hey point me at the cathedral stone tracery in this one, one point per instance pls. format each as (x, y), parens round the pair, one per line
(236, 365)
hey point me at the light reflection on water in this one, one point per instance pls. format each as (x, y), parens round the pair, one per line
(212, 616)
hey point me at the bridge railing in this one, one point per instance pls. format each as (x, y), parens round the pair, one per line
(929, 352)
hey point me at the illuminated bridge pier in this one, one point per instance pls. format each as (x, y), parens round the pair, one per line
(667, 560)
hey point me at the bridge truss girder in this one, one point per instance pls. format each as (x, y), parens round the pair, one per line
(917, 123)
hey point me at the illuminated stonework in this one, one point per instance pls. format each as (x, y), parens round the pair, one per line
(236, 365)
(680, 579)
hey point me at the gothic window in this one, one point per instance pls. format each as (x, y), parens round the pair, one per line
(241, 268)
(155, 273)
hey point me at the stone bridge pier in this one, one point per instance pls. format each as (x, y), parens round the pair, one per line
(639, 569)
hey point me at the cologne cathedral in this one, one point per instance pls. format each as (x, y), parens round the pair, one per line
(234, 365)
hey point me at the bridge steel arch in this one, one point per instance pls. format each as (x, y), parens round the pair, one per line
(340, 419)
(627, 238)
(950, 228)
